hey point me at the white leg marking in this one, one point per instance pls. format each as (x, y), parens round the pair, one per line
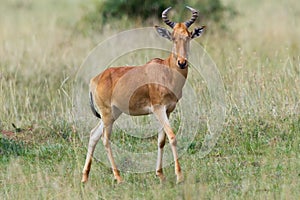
(94, 138)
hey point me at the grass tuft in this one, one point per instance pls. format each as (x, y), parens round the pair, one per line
(256, 157)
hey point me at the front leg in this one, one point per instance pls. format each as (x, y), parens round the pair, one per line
(160, 143)
(161, 115)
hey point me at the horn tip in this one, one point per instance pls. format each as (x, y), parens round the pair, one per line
(191, 9)
(166, 11)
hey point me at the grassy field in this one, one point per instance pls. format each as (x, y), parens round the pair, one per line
(256, 157)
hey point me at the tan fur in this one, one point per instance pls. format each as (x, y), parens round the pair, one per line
(116, 90)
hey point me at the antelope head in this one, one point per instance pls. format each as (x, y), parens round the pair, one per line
(180, 36)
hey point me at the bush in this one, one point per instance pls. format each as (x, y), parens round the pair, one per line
(10, 147)
(109, 10)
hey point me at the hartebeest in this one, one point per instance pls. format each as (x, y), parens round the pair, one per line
(119, 90)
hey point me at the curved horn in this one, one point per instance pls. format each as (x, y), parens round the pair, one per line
(165, 18)
(194, 17)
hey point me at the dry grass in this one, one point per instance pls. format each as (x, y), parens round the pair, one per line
(257, 156)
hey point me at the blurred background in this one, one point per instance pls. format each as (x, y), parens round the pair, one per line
(255, 45)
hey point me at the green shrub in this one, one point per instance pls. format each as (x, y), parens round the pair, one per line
(10, 147)
(110, 10)
(132, 8)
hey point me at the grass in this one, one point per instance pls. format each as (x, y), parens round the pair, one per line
(256, 157)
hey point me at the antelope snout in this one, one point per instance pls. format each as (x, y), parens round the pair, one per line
(182, 63)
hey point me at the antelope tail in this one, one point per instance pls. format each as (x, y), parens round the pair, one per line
(93, 106)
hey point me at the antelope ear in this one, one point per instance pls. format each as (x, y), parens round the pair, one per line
(197, 32)
(163, 32)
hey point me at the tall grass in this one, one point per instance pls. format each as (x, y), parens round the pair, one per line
(257, 155)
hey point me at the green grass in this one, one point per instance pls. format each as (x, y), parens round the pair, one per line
(256, 157)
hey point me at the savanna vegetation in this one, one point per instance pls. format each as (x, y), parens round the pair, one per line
(256, 47)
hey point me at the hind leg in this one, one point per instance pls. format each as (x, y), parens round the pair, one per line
(94, 138)
(106, 143)
(108, 118)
